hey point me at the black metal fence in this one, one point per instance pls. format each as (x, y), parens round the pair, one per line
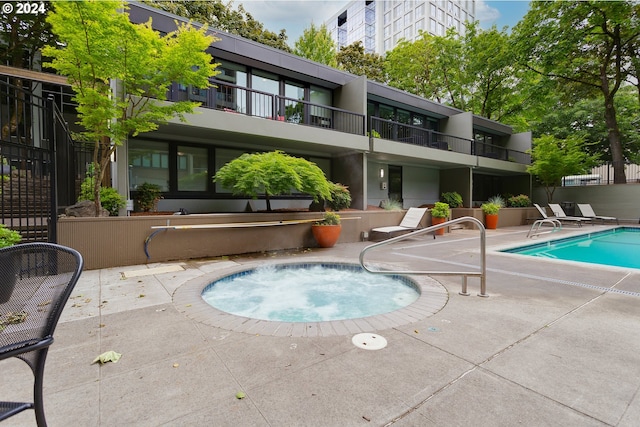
(27, 201)
(35, 142)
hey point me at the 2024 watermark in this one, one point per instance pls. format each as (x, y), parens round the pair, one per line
(24, 8)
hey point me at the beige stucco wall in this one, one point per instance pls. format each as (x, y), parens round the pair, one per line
(118, 241)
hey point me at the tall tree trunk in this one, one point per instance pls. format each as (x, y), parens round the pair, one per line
(615, 142)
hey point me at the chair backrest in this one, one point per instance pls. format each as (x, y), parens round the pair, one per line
(413, 217)
(586, 210)
(36, 280)
(541, 210)
(557, 210)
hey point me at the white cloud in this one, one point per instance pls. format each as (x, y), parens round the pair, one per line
(486, 13)
(292, 15)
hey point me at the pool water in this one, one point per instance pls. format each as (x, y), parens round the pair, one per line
(310, 293)
(619, 247)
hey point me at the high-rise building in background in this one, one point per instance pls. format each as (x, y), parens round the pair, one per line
(381, 24)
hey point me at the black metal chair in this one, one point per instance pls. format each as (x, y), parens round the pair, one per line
(36, 280)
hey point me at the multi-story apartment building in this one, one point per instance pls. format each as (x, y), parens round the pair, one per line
(381, 142)
(380, 25)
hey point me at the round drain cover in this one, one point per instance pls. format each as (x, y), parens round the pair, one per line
(369, 341)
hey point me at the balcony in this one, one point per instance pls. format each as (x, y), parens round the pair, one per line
(401, 132)
(241, 100)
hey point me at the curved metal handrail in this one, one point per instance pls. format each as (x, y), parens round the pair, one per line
(483, 264)
(537, 225)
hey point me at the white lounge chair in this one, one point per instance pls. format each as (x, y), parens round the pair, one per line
(544, 215)
(587, 211)
(559, 214)
(410, 222)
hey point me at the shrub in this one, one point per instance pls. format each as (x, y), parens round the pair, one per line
(340, 196)
(110, 199)
(490, 208)
(440, 210)
(8, 237)
(147, 195)
(452, 198)
(497, 200)
(519, 201)
(330, 218)
(391, 205)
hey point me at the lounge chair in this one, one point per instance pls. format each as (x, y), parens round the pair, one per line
(559, 214)
(410, 222)
(544, 215)
(587, 211)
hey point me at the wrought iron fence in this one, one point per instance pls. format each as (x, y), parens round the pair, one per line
(27, 201)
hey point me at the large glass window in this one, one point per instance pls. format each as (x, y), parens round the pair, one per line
(262, 103)
(192, 167)
(230, 97)
(320, 116)
(148, 162)
(292, 111)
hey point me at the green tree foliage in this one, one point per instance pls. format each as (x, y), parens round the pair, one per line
(272, 174)
(473, 72)
(316, 44)
(222, 16)
(583, 117)
(120, 72)
(590, 46)
(22, 36)
(553, 158)
(354, 60)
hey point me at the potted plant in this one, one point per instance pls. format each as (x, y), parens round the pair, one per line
(327, 231)
(8, 237)
(147, 195)
(439, 214)
(490, 214)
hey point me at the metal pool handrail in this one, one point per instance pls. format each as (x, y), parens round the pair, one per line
(483, 259)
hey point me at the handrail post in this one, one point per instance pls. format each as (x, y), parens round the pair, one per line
(483, 255)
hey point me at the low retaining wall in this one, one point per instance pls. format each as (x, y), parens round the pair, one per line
(507, 217)
(117, 241)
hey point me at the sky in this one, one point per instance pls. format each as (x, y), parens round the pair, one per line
(295, 16)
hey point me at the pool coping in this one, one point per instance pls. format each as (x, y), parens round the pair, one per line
(188, 300)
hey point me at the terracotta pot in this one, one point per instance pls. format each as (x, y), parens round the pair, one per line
(435, 221)
(326, 235)
(491, 221)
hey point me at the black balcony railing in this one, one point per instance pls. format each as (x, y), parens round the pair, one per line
(401, 132)
(241, 100)
(497, 152)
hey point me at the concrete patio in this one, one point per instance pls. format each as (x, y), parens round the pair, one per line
(555, 343)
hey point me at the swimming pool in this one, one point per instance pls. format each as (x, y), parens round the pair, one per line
(310, 293)
(618, 247)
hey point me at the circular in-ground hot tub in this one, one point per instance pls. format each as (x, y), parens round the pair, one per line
(308, 299)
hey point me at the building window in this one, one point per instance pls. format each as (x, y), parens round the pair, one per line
(262, 103)
(433, 26)
(148, 162)
(192, 167)
(420, 11)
